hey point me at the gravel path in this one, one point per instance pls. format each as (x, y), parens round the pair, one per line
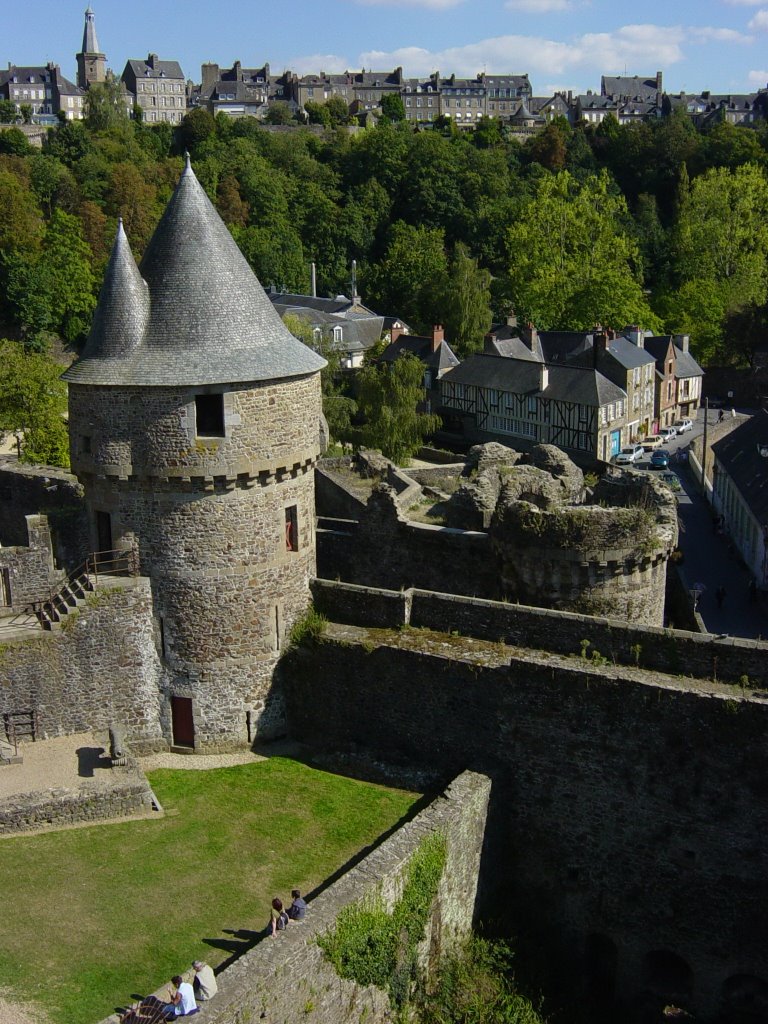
(65, 762)
(196, 762)
(20, 1013)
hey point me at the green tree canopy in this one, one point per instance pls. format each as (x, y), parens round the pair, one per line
(106, 105)
(33, 401)
(392, 107)
(412, 277)
(466, 303)
(389, 395)
(572, 263)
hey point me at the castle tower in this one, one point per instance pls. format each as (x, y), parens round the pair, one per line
(91, 62)
(195, 421)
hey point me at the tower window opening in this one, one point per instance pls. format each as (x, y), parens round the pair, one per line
(291, 529)
(209, 413)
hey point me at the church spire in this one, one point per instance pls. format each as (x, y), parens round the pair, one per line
(91, 62)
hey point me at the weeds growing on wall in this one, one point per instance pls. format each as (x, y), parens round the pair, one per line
(310, 627)
(475, 985)
(373, 946)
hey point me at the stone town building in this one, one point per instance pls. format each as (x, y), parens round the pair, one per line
(44, 89)
(241, 92)
(91, 62)
(158, 87)
(195, 423)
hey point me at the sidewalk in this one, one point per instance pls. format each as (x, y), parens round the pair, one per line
(708, 562)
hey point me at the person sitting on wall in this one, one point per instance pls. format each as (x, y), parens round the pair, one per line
(278, 919)
(182, 1002)
(204, 981)
(298, 909)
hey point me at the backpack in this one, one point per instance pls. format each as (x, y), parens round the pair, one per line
(282, 920)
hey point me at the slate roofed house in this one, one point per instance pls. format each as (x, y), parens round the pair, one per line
(240, 92)
(522, 403)
(678, 377)
(740, 491)
(158, 87)
(349, 327)
(44, 89)
(432, 350)
(632, 87)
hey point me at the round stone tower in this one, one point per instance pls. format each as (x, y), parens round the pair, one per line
(195, 423)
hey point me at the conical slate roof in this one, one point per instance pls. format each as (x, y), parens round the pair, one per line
(90, 42)
(192, 313)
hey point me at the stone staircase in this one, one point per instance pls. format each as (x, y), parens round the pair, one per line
(70, 595)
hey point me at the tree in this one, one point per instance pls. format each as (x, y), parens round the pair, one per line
(388, 398)
(279, 112)
(411, 278)
(338, 110)
(317, 113)
(549, 147)
(14, 141)
(106, 105)
(467, 303)
(392, 107)
(8, 112)
(572, 263)
(195, 129)
(33, 401)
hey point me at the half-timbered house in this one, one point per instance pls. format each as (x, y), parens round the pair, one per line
(522, 403)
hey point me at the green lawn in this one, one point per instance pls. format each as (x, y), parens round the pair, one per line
(92, 916)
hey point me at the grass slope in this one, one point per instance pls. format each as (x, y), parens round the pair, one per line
(93, 917)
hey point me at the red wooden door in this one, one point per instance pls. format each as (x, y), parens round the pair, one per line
(183, 724)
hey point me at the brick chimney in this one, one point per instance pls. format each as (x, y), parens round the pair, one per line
(395, 333)
(599, 346)
(682, 341)
(635, 335)
(438, 336)
(529, 335)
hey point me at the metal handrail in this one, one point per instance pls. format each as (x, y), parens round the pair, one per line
(109, 563)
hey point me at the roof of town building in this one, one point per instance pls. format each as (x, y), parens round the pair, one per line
(739, 453)
(521, 376)
(192, 313)
(154, 68)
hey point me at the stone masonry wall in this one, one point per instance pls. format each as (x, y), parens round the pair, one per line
(57, 808)
(43, 490)
(30, 572)
(101, 668)
(676, 651)
(628, 808)
(288, 980)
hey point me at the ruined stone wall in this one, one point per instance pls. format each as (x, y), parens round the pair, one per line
(208, 517)
(674, 651)
(629, 810)
(43, 490)
(288, 979)
(101, 667)
(28, 570)
(129, 795)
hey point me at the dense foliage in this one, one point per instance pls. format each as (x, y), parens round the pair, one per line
(654, 223)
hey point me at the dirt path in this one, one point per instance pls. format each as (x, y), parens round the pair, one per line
(20, 1013)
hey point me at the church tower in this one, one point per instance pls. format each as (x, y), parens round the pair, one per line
(195, 422)
(91, 62)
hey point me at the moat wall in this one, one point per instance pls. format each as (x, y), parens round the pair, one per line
(288, 980)
(102, 667)
(629, 815)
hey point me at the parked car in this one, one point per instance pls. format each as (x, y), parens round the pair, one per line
(660, 459)
(629, 454)
(671, 480)
(667, 433)
(682, 425)
(652, 442)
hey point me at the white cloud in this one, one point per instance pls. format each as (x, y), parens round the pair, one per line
(538, 6)
(760, 22)
(718, 35)
(758, 78)
(744, 3)
(314, 63)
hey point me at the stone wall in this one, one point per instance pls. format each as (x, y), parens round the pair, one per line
(28, 571)
(101, 667)
(675, 651)
(628, 829)
(57, 808)
(288, 979)
(43, 490)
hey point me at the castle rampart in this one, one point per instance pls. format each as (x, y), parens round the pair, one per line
(627, 830)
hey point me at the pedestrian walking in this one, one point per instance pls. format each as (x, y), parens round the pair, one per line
(720, 594)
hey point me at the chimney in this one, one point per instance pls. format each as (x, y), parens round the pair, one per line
(210, 76)
(395, 333)
(635, 335)
(658, 81)
(438, 335)
(152, 59)
(543, 376)
(313, 275)
(599, 346)
(529, 336)
(512, 319)
(682, 341)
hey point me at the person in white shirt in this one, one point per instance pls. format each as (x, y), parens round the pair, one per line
(182, 1002)
(204, 982)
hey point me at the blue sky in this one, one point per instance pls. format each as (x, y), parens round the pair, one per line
(720, 45)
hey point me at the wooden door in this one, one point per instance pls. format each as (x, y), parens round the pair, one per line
(182, 721)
